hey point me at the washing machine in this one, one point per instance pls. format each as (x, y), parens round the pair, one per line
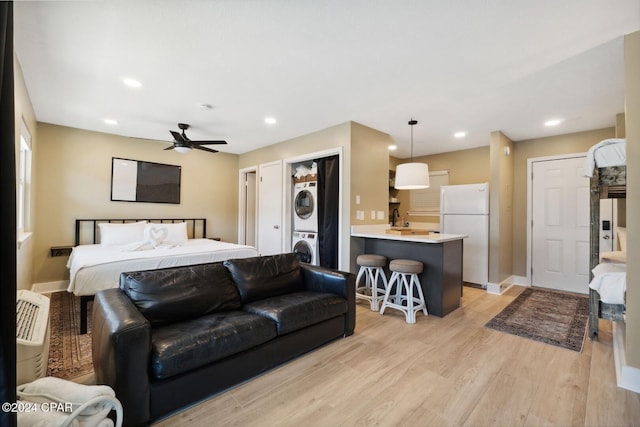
(305, 206)
(305, 245)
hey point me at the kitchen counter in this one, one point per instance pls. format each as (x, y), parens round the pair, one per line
(441, 254)
(380, 232)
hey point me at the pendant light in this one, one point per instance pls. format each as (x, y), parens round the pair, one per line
(412, 176)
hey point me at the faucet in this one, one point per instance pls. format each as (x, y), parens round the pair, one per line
(395, 215)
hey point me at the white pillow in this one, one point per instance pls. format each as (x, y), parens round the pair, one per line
(622, 238)
(112, 234)
(608, 267)
(167, 232)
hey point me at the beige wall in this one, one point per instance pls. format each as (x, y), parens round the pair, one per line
(540, 147)
(369, 173)
(632, 114)
(74, 172)
(24, 110)
(465, 167)
(500, 208)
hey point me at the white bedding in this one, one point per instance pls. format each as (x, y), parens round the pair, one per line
(610, 281)
(93, 268)
(609, 152)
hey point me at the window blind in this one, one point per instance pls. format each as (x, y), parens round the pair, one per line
(427, 201)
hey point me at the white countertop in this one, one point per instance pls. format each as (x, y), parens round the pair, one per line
(379, 232)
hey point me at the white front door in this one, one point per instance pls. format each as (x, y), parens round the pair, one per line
(560, 229)
(270, 191)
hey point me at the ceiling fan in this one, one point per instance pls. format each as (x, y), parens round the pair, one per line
(182, 144)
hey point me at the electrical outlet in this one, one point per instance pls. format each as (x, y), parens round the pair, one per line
(380, 214)
(373, 214)
(357, 199)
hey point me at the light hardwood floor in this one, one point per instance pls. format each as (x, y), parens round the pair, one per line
(447, 371)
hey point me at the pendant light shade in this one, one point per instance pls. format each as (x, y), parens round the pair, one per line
(412, 176)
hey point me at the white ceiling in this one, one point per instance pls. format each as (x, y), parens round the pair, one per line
(473, 65)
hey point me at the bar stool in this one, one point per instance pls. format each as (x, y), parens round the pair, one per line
(372, 268)
(404, 277)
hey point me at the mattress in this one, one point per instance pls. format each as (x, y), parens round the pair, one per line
(93, 268)
(606, 153)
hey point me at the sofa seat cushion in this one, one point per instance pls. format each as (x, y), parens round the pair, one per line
(298, 309)
(187, 345)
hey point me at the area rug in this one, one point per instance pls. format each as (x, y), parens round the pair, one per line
(69, 351)
(551, 317)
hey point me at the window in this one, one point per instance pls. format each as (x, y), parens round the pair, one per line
(24, 182)
(426, 202)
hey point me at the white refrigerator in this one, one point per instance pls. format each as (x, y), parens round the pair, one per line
(464, 209)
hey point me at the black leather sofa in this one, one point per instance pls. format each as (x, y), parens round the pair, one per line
(168, 338)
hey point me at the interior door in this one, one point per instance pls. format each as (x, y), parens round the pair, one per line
(250, 203)
(270, 191)
(560, 228)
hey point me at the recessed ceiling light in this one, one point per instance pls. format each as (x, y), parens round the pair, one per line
(460, 134)
(110, 121)
(270, 120)
(128, 81)
(553, 122)
(393, 147)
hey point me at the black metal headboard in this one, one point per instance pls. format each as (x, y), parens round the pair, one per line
(87, 229)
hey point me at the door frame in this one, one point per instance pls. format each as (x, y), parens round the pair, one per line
(529, 223)
(288, 172)
(242, 205)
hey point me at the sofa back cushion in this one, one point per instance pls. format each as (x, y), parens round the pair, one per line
(266, 276)
(179, 293)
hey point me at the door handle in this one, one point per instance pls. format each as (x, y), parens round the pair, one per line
(606, 237)
(276, 227)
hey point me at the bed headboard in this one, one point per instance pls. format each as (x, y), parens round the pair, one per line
(87, 229)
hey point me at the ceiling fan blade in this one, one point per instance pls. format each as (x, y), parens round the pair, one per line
(198, 147)
(170, 148)
(178, 137)
(208, 142)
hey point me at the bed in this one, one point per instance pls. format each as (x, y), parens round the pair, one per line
(606, 167)
(107, 247)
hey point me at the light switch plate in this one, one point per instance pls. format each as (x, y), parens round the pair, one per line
(380, 214)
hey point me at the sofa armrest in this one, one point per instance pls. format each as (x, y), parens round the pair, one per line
(121, 346)
(322, 279)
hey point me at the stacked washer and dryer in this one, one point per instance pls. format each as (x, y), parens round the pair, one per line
(305, 215)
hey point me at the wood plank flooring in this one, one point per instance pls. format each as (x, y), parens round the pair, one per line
(447, 371)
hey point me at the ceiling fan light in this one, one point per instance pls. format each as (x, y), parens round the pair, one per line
(412, 176)
(182, 149)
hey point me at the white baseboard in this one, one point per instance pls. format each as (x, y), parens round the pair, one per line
(46, 287)
(502, 287)
(521, 280)
(627, 376)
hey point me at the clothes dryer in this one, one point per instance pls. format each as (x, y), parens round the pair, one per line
(305, 206)
(305, 245)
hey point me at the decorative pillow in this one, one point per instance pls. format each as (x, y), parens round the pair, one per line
(622, 238)
(112, 234)
(180, 293)
(175, 233)
(266, 276)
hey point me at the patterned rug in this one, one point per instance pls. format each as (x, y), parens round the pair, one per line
(69, 352)
(551, 317)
